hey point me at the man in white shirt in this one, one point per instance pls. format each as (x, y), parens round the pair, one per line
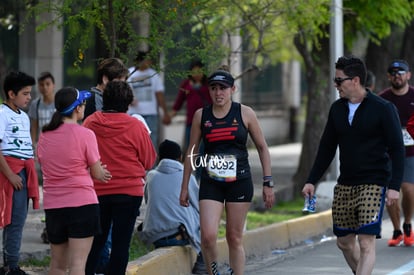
(148, 90)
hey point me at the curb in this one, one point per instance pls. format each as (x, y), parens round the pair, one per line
(261, 241)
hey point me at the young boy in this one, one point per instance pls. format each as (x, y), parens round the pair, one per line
(18, 178)
(108, 69)
(42, 108)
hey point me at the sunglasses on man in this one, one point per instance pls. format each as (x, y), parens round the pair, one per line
(397, 72)
(338, 80)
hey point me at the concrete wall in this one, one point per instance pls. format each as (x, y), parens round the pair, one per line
(49, 51)
(41, 51)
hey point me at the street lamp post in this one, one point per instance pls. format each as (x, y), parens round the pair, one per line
(336, 40)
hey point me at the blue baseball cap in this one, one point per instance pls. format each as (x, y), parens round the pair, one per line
(399, 65)
(81, 97)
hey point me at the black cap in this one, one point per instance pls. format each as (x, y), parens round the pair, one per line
(169, 150)
(399, 65)
(221, 77)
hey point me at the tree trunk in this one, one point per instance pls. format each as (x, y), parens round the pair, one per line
(378, 57)
(318, 102)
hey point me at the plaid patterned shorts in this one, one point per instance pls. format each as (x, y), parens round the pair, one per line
(358, 209)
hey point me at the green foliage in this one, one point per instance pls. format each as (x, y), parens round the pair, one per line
(191, 28)
(9, 10)
(374, 18)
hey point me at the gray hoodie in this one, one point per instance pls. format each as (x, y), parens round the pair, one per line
(164, 213)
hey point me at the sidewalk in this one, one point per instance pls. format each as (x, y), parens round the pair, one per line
(284, 163)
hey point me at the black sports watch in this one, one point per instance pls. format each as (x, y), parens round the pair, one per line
(268, 183)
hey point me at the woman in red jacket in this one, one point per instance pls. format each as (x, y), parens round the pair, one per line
(126, 147)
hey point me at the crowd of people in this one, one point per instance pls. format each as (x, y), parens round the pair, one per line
(94, 151)
(98, 155)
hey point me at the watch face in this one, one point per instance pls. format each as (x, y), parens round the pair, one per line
(268, 183)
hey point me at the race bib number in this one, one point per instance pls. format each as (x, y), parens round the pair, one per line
(222, 168)
(408, 140)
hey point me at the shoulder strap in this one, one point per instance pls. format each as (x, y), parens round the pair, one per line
(37, 108)
(133, 71)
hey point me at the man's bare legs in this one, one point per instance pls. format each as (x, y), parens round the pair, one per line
(394, 212)
(359, 252)
(407, 203)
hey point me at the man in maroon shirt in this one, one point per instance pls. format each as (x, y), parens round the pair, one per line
(402, 95)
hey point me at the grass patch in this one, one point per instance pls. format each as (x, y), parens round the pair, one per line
(256, 220)
(283, 211)
(36, 262)
(138, 248)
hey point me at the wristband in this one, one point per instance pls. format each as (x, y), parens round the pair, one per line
(267, 178)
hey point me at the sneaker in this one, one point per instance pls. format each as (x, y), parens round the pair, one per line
(214, 268)
(397, 238)
(408, 235)
(16, 271)
(199, 266)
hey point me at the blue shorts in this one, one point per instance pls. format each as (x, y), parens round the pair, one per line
(72, 222)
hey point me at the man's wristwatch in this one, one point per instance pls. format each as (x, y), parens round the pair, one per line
(268, 183)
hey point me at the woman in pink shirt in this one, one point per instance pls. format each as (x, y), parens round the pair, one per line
(68, 155)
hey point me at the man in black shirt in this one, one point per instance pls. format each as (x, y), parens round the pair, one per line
(367, 130)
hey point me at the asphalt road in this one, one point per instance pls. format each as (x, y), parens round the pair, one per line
(323, 257)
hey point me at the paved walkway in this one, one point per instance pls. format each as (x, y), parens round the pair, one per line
(284, 163)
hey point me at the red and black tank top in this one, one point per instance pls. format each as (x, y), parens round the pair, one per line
(225, 139)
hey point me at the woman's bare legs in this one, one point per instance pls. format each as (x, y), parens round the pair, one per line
(71, 255)
(235, 220)
(210, 214)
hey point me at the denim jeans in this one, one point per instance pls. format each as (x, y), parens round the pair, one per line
(12, 233)
(170, 242)
(105, 254)
(120, 211)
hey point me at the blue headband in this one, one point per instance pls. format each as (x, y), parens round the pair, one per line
(81, 97)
